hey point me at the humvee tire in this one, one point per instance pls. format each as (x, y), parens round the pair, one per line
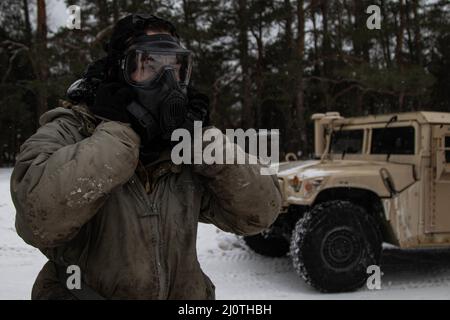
(268, 244)
(333, 244)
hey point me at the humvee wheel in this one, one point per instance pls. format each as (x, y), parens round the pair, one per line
(333, 244)
(268, 244)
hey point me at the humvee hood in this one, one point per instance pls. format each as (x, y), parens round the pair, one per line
(351, 173)
(293, 166)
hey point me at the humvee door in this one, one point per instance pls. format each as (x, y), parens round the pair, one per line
(439, 218)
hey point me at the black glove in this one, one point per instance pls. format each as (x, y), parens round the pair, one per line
(83, 91)
(111, 102)
(197, 109)
(97, 69)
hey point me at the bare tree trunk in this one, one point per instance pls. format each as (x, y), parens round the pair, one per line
(214, 116)
(187, 21)
(26, 13)
(288, 27)
(360, 43)
(299, 102)
(315, 40)
(326, 43)
(417, 35)
(385, 37)
(246, 115)
(115, 11)
(259, 76)
(326, 54)
(102, 13)
(400, 32)
(399, 49)
(409, 26)
(40, 50)
(290, 143)
(340, 23)
(300, 29)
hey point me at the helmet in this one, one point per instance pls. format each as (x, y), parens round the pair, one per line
(132, 26)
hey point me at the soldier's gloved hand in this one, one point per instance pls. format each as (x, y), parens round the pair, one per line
(97, 69)
(197, 109)
(115, 101)
(111, 102)
(84, 90)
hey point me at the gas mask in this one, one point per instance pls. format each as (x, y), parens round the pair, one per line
(158, 69)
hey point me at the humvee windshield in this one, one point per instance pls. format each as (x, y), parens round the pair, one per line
(394, 140)
(347, 141)
(397, 140)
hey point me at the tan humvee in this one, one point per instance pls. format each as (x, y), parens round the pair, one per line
(383, 178)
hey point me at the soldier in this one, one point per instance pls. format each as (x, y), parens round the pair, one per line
(95, 187)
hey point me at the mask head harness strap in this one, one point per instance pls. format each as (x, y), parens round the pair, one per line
(157, 42)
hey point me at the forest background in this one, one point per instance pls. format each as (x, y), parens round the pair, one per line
(263, 64)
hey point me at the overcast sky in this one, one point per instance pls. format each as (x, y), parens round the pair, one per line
(57, 16)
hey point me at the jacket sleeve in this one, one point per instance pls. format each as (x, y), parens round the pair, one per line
(238, 198)
(59, 183)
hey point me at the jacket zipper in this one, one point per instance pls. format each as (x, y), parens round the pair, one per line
(144, 197)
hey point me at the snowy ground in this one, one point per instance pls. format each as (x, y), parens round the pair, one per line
(237, 272)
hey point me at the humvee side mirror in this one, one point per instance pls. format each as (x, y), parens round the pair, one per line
(321, 121)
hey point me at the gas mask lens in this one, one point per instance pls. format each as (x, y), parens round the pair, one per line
(143, 68)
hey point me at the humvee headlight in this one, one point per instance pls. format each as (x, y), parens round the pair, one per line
(295, 183)
(312, 185)
(304, 187)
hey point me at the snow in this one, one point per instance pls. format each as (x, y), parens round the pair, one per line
(19, 262)
(237, 272)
